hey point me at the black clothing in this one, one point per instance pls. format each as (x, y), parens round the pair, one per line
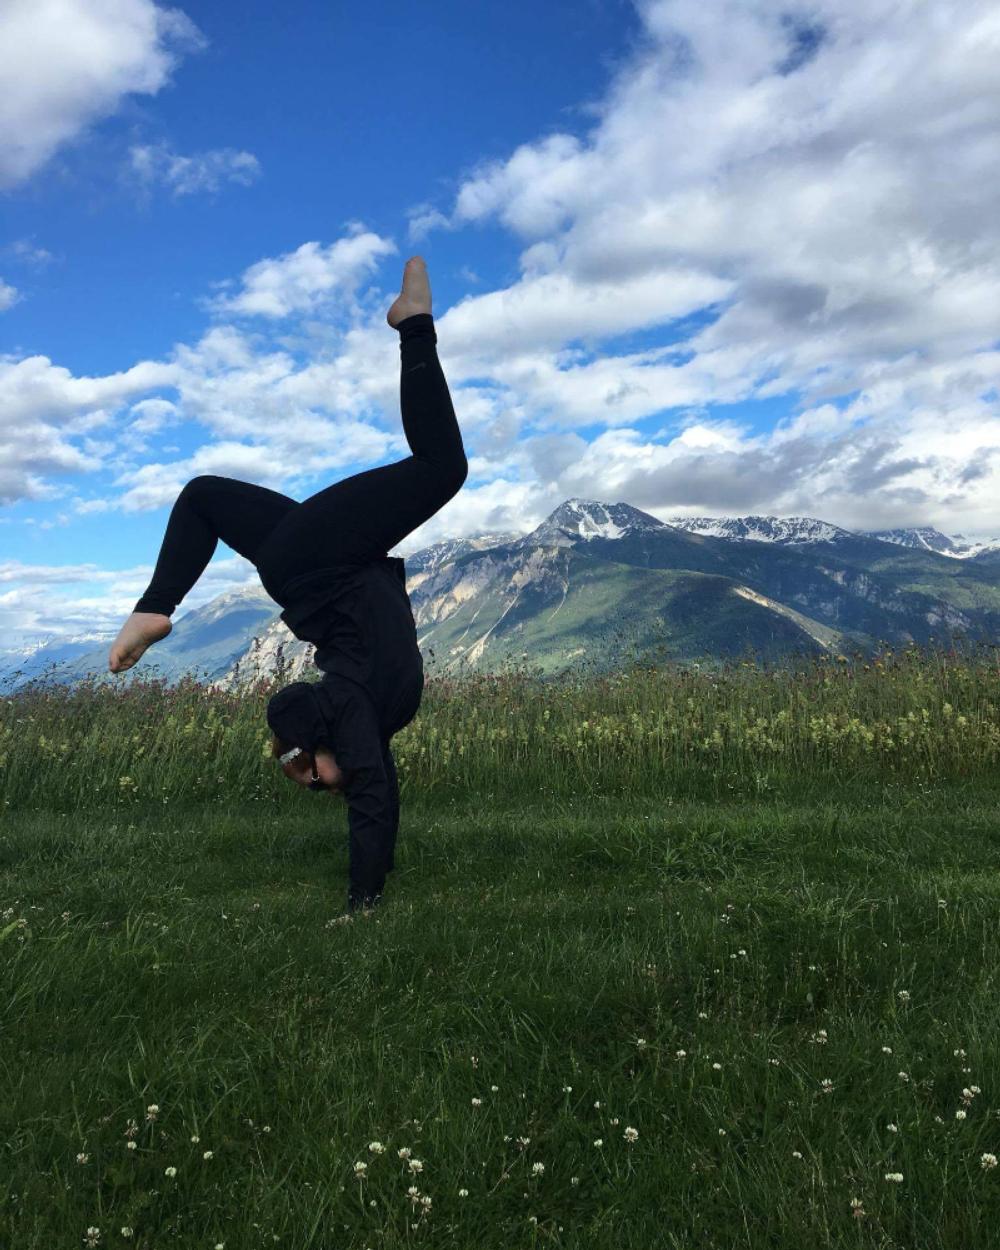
(325, 561)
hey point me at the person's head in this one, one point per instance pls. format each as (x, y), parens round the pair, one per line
(299, 717)
(316, 770)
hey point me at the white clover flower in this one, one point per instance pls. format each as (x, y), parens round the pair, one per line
(195, 1138)
(717, 1067)
(702, 1015)
(127, 1232)
(796, 1154)
(426, 1200)
(463, 1193)
(681, 1054)
(903, 996)
(960, 1115)
(893, 1128)
(494, 1088)
(886, 1050)
(207, 1154)
(360, 1168)
(640, 1041)
(404, 1152)
(537, 1169)
(416, 1165)
(988, 1161)
(567, 1089)
(131, 1145)
(477, 1102)
(81, 1158)
(152, 1111)
(170, 1171)
(827, 1086)
(894, 1176)
(904, 1076)
(599, 1141)
(631, 1134)
(376, 1147)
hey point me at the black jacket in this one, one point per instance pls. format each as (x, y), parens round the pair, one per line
(360, 619)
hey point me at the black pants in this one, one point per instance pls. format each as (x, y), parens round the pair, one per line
(359, 518)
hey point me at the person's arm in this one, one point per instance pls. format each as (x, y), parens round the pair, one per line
(390, 772)
(369, 789)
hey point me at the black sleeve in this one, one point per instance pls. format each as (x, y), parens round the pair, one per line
(369, 790)
(390, 772)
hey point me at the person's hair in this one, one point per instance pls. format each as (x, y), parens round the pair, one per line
(278, 748)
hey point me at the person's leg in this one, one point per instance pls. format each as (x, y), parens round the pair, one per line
(361, 517)
(207, 509)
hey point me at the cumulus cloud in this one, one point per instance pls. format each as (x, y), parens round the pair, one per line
(301, 281)
(789, 204)
(66, 63)
(9, 295)
(185, 175)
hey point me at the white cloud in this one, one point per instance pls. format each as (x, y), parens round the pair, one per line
(186, 175)
(302, 280)
(67, 63)
(9, 295)
(29, 254)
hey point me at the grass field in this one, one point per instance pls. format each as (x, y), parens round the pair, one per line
(715, 974)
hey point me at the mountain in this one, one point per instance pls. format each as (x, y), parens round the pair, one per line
(204, 642)
(45, 658)
(597, 584)
(763, 529)
(928, 539)
(800, 530)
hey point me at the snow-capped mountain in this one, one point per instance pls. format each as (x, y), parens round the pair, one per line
(925, 538)
(584, 519)
(763, 529)
(593, 573)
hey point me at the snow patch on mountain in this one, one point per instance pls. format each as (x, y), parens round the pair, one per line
(763, 529)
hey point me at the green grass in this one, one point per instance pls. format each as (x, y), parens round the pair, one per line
(562, 949)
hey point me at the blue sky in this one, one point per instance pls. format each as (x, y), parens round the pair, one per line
(703, 261)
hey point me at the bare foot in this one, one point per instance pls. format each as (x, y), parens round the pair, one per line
(140, 631)
(416, 293)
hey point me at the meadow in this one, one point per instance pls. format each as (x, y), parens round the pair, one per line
(698, 957)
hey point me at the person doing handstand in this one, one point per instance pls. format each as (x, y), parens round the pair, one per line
(325, 561)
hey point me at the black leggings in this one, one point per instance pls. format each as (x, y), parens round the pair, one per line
(358, 519)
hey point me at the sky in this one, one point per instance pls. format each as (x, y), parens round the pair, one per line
(702, 259)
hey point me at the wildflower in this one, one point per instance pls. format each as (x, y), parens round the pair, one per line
(893, 1128)
(81, 1158)
(857, 1210)
(631, 1134)
(904, 1076)
(903, 996)
(127, 1232)
(960, 1115)
(894, 1176)
(774, 1062)
(722, 1132)
(598, 1141)
(477, 1102)
(195, 1138)
(425, 1201)
(170, 1172)
(717, 1067)
(886, 1050)
(152, 1110)
(827, 1086)
(131, 1145)
(988, 1161)
(597, 1104)
(615, 1121)
(93, 1236)
(537, 1169)
(376, 1147)
(681, 1054)
(404, 1152)
(796, 1154)
(640, 1041)
(494, 1088)
(360, 1169)
(207, 1154)
(416, 1165)
(463, 1193)
(702, 1015)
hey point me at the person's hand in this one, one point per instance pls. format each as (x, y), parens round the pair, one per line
(301, 769)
